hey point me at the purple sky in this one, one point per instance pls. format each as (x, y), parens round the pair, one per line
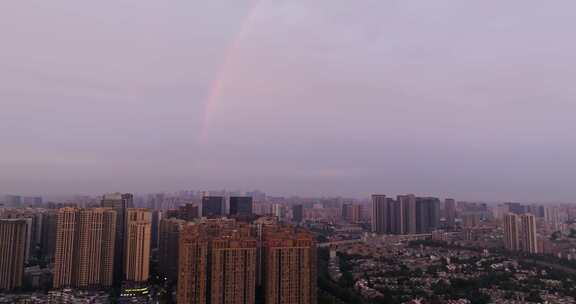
(472, 99)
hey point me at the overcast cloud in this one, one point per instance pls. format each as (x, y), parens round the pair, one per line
(472, 99)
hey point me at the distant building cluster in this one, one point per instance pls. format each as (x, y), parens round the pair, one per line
(233, 247)
(407, 214)
(215, 249)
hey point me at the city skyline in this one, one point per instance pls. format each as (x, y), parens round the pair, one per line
(469, 100)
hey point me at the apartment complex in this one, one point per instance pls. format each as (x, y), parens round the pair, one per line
(137, 245)
(12, 247)
(407, 214)
(85, 248)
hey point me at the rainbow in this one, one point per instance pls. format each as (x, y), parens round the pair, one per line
(217, 86)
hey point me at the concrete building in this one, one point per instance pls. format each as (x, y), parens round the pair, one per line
(528, 237)
(168, 248)
(511, 232)
(217, 263)
(380, 211)
(137, 245)
(119, 202)
(212, 206)
(289, 265)
(352, 212)
(85, 248)
(408, 205)
(471, 220)
(157, 216)
(298, 213)
(450, 212)
(241, 205)
(48, 235)
(12, 251)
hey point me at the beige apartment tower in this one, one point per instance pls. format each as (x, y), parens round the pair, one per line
(511, 232)
(137, 245)
(12, 252)
(217, 264)
(192, 266)
(528, 238)
(84, 256)
(289, 266)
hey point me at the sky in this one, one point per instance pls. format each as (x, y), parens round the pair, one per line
(467, 99)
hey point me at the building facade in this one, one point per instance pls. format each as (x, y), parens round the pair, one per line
(85, 248)
(241, 205)
(137, 245)
(12, 251)
(289, 271)
(212, 206)
(119, 202)
(511, 232)
(217, 263)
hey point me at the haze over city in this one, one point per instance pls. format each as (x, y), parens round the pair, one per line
(473, 100)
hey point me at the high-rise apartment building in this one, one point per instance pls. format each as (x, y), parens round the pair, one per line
(528, 238)
(137, 245)
(352, 212)
(408, 205)
(552, 217)
(450, 212)
(85, 248)
(298, 213)
(192, 266)
(168, 248)
(380, 211)
(240, 205)
(32, 220)
(188, 212)
(346, 211)
(428, 214)
(157, 216)
(212, 206)
(217, 263)
(119, 202)
(406, 215)
(289, 265)
(511, 232)
(279, 211)
(48, 235)
(471, 220)
(12, 247)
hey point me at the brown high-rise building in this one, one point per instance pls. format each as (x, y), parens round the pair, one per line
(84, 255)
(528, 237)
(217, 263)
(188, 212)
(168, 248)
(380, 217)
(511, 232)
(48, 235)
(450, 212)
(471, 220)
(192, 266)
(119, 202)
(408, 205)
(289, 266)
(352, 212)
(137, 245)
(12, 251)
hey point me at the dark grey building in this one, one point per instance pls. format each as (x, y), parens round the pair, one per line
(298, 213)
(240, 205)
(212, 206)
(119, 202)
